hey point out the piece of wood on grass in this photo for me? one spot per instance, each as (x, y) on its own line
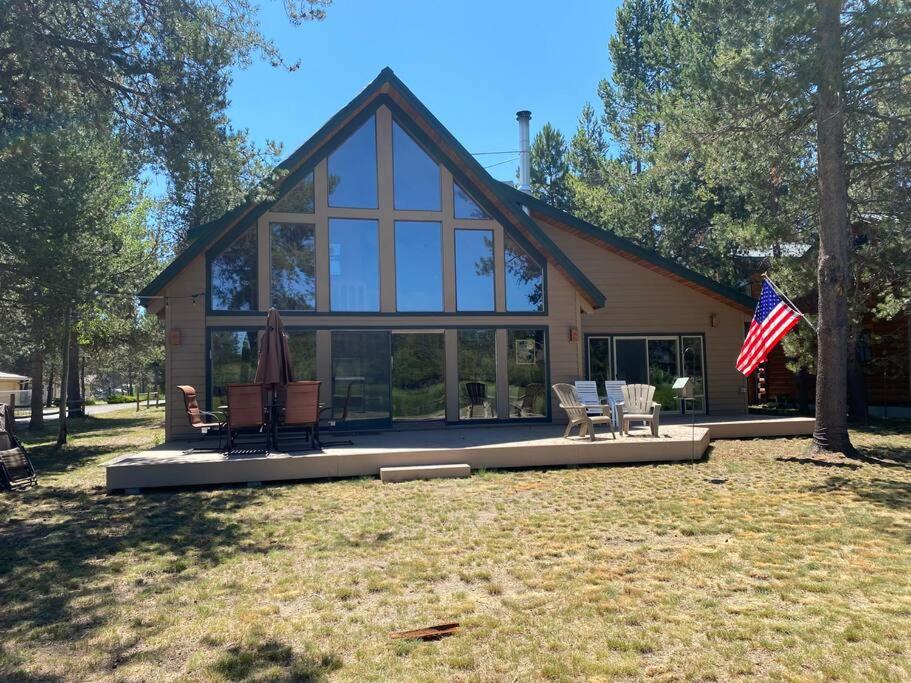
(429, 633)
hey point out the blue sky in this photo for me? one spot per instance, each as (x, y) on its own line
(474, 64)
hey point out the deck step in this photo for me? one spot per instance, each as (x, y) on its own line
(394, 474)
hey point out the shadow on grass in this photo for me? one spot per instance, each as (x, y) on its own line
(274, 661)
(820, 463)
(888, 492)
(884, 456)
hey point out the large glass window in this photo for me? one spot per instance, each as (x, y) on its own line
(649, 360)
(474, 270)
(354, 265)
(232, 275)
(418, 266)
(293, 266)
(477, 359)
(352, 170)
(524, 279)
(302, 345)
(464, 206)
(525, 369)
(418, 387)
(299, 199)
(233, 358)
(360, 376)
(599, 360)
(415, 175)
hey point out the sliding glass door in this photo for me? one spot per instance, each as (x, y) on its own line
(418, 386)
(360, 378)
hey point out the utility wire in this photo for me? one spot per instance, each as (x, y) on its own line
(500, 163)
(508, 151)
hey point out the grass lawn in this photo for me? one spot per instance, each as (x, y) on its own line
(759, 562)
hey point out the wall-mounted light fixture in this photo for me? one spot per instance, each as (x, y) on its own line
(713, 319)
(574, 334)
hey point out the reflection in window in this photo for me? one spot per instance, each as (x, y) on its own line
(415, 176)
(525, 369)
(599, 353)
(293, 266)
(299, 199)
(418, 376)
(233, 360)
(418, 266)
(464, 206)
(524, 279)
(232, 275)
(352, 170)
(302, 345)
(474, 270)
(354, 265)
(663, 369)
(360, 375)
(477, 359)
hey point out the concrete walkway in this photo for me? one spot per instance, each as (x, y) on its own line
(90, 410)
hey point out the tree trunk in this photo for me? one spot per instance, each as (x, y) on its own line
(50, 388)
(831, 433)
(36, 421)
(64, 379)
(73, 386)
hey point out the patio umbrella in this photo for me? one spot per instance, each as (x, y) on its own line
(273, 369)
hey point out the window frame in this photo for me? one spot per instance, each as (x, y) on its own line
(356, 126)
(395, 266)
(214, 252)
(455, 269)
(210, 329)
(379, 264)
(316, 286)
(407, 131)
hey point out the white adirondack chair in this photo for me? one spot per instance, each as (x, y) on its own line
(638, 406)
(587, 391)
(578, 413)
(614, 392)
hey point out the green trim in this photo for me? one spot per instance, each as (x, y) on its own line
(623, 244)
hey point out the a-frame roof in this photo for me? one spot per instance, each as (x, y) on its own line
(386, 89)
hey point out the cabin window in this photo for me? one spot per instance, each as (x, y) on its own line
(524, 279)
(302, 345)
(352, 170)
(526, 371)
(354, 265)
(418, 266)
(415, 175)
(293, 266)
(232, 275)
(464, 206)
(477, 360)
(474, 265)
(233, 356)
(299, 199)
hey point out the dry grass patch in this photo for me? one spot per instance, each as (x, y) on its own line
(759, 562)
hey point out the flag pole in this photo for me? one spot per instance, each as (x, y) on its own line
(790, 303)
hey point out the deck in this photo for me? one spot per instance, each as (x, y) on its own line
(534, 445)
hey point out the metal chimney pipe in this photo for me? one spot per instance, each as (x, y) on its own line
(524, 117)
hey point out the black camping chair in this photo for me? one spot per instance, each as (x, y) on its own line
(16, 469)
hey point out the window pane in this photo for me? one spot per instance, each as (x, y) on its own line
(418, 387)
(599, 360)
(477, 352)
(354, 265)
(464, 206)
(663, 370)
(694, 367)
(474, 270)
(360, 376)
(632, 364)
(418, 266)
(233, 275)
(293, 266)
(302, 345)
(352, 170)
(299, 199)
(526, 373)
(415, 176)
(233, 358)
(524, 279)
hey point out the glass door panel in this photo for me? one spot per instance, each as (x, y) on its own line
(694, 367)
(599, 360)
(663, 370)
(360, 377)
(632, 360)
(418, 387)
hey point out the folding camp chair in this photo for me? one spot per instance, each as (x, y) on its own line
(16, 469)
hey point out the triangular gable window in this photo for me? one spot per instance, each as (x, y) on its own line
(299, 199)
(466, 207)
(352, 170)
(416, 176)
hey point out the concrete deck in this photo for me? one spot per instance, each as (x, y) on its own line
(501, 446)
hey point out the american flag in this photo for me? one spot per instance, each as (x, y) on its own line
(771, 322)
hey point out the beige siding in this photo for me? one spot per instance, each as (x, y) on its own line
(641, 300)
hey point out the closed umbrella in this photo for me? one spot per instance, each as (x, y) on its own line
(273, 369)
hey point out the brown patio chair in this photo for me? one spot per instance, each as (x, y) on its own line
(578, 413)
(246, 411)
(201, 419)
(300, 409)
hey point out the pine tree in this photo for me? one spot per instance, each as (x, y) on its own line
(550, 167)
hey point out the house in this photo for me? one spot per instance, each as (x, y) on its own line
(416, 287)
(14, 389)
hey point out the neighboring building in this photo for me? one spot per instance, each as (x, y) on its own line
(14, 389)
(417, 287)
